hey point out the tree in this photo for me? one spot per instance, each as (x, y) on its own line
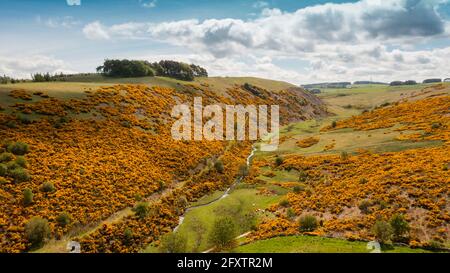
(223, 232)
(3, 170)
(302, 176)
(297, 189)
(64, 219)
(27, 196)
(290, 213)
(307, 223)
(125, 68)
(37, 230)
(410, 82)
(21, 161)
(18, 148)
(400, 226)
(48, 187)
(138, 68)
(432, 80)
(38, 77)
(218, 165)
(141, 209)
(284, 203)
(128, 235)
(382, 231)
(364, 206)
(19, 174)
(173, 242)
(243, 170)
(279, 160)
(199, 71)
(6, 157)
(177, 70)
(396, 83)
(199, 230)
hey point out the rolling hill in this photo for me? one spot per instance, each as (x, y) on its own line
(89, 151)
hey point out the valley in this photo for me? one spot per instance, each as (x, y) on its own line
(347, 159)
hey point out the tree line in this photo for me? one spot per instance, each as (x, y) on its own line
(411, 82)
(138, 68)
(6, 79)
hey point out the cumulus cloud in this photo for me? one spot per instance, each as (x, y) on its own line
(24, 66)
(73, 2)
(148, 4)
(361, 22)
(96, 31)
(335, 39)
(57, 22)
(260, 4)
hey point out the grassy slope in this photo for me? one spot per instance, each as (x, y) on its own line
(310, 244)
(345, 140)
(381, 140)
(360, 98)
(368, 96)
(76, 87)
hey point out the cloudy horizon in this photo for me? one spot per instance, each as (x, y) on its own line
(301, 43)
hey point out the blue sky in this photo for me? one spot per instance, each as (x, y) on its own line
(296, 41)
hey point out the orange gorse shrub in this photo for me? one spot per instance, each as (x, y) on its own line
(413, 182)
(103, 150)
(307, 142)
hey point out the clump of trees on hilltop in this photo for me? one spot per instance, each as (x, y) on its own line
(398, 83)
(432, 81)
(137, 68)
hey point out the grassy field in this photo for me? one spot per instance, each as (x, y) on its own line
(219, 84)
(240, 202)
(311, 244)
(344, 103)
(77, 85)
(348, 140)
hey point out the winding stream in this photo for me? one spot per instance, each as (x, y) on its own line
(224, 195)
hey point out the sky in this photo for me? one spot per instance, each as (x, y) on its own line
(296, 41)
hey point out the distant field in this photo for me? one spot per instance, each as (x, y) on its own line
(222, 83)
(348, 140)
(362, 97)
(344, 103)
(310, 244)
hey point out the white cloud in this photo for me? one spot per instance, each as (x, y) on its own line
(362, 22)
(337, 40)
(96, 31)
(148, 4)
(260, 4)
(24, 66)
(73, 2)
(57, 22)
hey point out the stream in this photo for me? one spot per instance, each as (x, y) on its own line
(224, 195)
